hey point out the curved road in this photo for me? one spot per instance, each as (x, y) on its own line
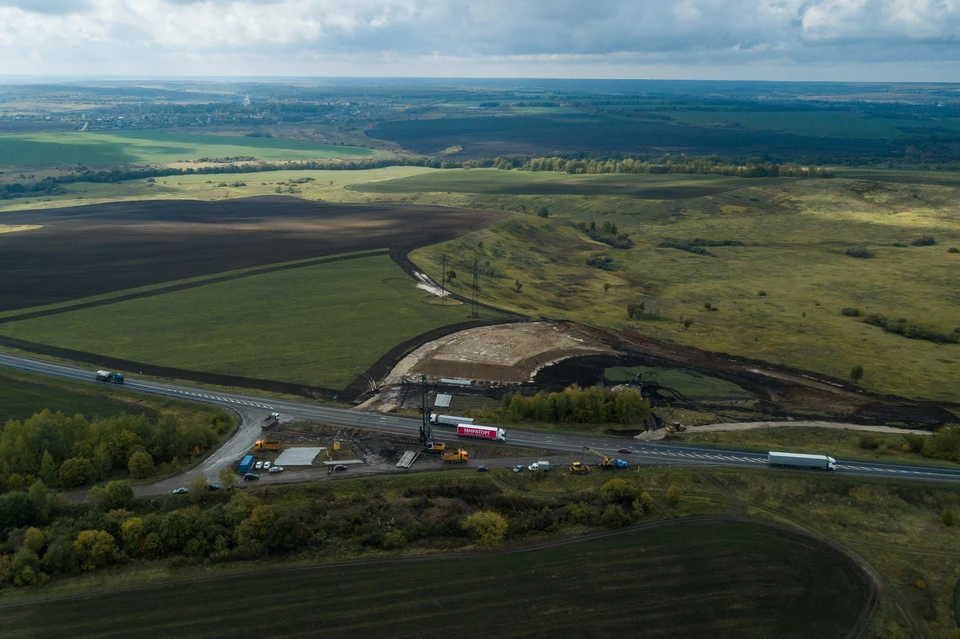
(252, 409)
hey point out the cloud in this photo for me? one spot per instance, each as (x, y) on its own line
(307, 36)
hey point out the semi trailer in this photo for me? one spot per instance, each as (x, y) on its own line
(107, 376)
(449, 420)
(801, 460)
(481, 432)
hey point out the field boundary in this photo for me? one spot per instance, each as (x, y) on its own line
(868, 607)
(173, 288)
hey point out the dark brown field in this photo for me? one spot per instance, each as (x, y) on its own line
(91, 250)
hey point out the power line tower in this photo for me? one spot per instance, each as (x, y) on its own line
(426, 433)
(475, 301)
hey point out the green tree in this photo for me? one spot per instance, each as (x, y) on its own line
(76, 471)
(95, 548)
(198, 487)
(131, 532)
(253, 530)
(619, 491)
(60, 558)
(856, 373)
(16, 509)
(674, 494)
(140, 464)
(41, 499)
(116, 494)
(488, 527)
(34, 539)
(543, 212)
(606, 286)
(48, 469)
(228, 478)
(614, 517)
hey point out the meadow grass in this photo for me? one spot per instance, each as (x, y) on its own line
(97, 149)
(318, 325)
(20, 398)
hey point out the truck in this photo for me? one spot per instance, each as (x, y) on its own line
(459, 457)
(107, 376)
(801, 460)
(481, 432)
(246, 464)
(449, 420)
(270, 421)
(539, 465)
(266, 444)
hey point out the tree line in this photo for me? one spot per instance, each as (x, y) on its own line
(711, 165)
(578, 405)
(68, 451)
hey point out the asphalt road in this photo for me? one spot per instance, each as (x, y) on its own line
(253, 409)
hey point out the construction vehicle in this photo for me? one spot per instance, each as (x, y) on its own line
(607, 463)
(107, 376)
(270, 421)
(676, 428)
(579, 468)
(459, 457)
(435, 447)
(266, 444)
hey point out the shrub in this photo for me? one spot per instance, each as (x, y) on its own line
(914, 443)
(602, 262)
(861, 252)
(140, 464)
(543, 212)
(614, 517)
(488, 527)
(868, 441)
(856, 373)
(850, 312)
(76, 472)
(953, 249)
(924, 240)
(762, 293)
(619, 491)
(674, 494)
(947, 518)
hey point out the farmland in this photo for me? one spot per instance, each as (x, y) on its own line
(735, 579)
(98, 149)
(539, 135)
(320, 325)
(88, 251)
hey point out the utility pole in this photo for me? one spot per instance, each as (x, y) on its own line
(426, 434)
(443, 276)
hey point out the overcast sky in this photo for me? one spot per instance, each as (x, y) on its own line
(699, 39)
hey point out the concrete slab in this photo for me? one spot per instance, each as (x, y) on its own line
(299, 456)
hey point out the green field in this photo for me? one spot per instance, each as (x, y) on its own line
(722, 579)
(779, 295)
(19, 399)
(319, 325)
(97, 149)
(493, 181)
(689, 384)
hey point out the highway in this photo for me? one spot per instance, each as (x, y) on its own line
(252, 409)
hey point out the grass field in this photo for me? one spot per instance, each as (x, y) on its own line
(687, 579)
(19, 399)
(493, 181)
(689, 384)
(779, 295)
(319, 325)
(97, 149)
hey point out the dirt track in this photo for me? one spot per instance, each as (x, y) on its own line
(91, 250)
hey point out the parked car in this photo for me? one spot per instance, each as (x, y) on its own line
(624, 450)
(518, 468)
(259, 465)
(340, 467)
(180, 491)
(482, 469)
(213, 486)
(266, 465)
(276, 469)
(251, 477)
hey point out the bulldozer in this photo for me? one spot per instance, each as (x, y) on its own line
(676, 428)
(579, 468)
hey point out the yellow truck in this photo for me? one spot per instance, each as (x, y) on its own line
(266, 444)
(459, 457)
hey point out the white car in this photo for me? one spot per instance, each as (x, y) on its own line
(266, 465)
(259, 465)
(276, 469)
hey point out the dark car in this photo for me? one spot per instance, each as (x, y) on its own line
(624, 450)
(213, 486)
(340, 467)
(482, 469)
(251, 476)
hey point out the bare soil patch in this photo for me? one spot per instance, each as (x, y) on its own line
(97, 249)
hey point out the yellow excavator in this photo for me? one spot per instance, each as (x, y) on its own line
(676, 428)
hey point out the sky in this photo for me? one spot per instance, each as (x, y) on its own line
(833, 40)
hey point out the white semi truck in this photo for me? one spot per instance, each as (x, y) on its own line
(449, 420)
(801, 460)
(481, 432)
